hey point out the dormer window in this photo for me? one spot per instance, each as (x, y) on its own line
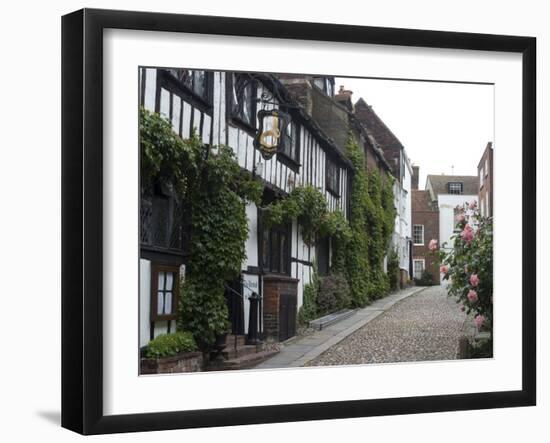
(455, 188)
(325, 85)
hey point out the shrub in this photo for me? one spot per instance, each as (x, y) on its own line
(308, 310)
(427, 279)
(393, 270)
(168, 345)
(468, 266)
(334, 294)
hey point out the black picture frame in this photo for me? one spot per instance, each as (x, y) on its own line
(82, 155)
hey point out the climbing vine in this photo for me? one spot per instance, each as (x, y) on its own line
(215, 191)
(356, 256)
(380, 221)
(308, 206)
(372, 222)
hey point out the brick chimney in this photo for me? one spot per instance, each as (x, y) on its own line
(344, 97)
(415, 176)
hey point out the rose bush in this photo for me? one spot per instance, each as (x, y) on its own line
(468, 266)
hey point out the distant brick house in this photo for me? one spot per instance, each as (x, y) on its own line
(425, 227)
(485, 174)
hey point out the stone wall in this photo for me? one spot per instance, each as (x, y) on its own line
(188, 362)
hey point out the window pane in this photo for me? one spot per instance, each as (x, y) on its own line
(247, 104)
(160, 302)
(319, 82)
(161, 277)
(168, 303)
(199, 83)
(169, 280)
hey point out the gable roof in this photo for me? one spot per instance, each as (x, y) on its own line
(385, 138)
(439, 183)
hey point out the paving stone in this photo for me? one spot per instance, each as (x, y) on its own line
(426, 326)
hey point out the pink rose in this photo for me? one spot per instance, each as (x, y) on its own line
(472, 296)
(479, 320)
(467, 234)
(473, 204)
(474, 280)
(460, 218)
(432, 246)
(443, 269)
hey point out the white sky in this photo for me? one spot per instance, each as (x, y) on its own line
(441, 125)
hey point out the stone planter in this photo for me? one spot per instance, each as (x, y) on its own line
(185, 362)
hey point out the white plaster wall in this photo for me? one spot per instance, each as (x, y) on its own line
(144, 300)
(252, 240)
(446, 204)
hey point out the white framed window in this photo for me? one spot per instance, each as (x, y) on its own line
(418, 235)
(418, 268)
(455, 188)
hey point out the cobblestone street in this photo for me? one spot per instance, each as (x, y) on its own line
(425, 326)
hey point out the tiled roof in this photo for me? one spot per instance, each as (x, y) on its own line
(440, 183)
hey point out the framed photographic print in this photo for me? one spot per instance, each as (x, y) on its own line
(270, 221)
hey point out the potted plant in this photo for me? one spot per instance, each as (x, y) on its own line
(222, 330)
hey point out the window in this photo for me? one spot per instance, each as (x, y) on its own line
(196, 81)
(324, 84)
(162, 220)
(291, 142)
(164, 292)
(243, 100)
(332, 172)
(276, 249)
(486, 167)
(481, 177)
(455, 188)
(418, 235)
(418, 268)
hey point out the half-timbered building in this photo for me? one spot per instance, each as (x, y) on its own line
(221, 108)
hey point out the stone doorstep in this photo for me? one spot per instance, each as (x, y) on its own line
(231, 352)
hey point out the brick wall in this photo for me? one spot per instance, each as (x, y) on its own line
(273, 287)
(425, 212)
(485, 167)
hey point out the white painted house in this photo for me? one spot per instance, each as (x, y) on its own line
(403, 224)
(451, 191)
(221, 107)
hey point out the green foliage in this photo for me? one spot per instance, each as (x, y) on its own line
(165, 157)
(168, 345)
(393, 269)
(214, 191)
(372, 223)
(333, 294)
(357, 263)
(305, 204)
(426, 279)
(308, 310)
